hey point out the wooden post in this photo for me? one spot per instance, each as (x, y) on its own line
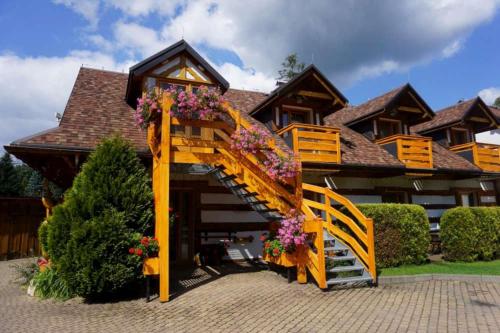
(162, 207)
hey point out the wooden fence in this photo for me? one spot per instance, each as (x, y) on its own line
(19, 221)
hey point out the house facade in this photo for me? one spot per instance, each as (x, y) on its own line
(393, 148)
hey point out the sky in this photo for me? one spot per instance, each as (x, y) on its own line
(447, 49)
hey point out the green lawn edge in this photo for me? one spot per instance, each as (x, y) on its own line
(466, 268)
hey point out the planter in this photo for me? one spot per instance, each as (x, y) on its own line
(285, 259)
(151, 266)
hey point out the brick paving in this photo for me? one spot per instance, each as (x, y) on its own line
(262, 301)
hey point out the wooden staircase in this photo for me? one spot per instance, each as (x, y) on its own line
(337, 239)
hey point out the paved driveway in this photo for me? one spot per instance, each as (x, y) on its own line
(262, 301)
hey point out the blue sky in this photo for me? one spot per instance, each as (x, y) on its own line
(448, 50)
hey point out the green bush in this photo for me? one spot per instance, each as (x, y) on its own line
(401, 233)
(43, 233)
(90, 233)
(469, 234)
(49, 284)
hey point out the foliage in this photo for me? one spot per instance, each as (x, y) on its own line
(469, 234)
(49, 284)
(290, 232)
(9, 181)
(401, 233)
(446, 267)
(25, 272)
(89, 234)
(497, 102)
(291, 67)
(144, 247)
(251, 140)
(43, 233)
(280, 166)
(273, 247)
(148, 109)
(204, 104)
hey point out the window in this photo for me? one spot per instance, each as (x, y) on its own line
(467, 199)
(459, 136)
(394, 197)
(292, 115)
(167, 86)
(388, 127)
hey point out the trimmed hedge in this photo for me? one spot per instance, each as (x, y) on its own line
(471, 233)
(401, 233)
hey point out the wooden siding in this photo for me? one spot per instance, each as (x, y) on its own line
(414, 151)
(485, 156)
(317, 144)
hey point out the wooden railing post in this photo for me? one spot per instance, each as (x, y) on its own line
(162, 204)
(370, 231)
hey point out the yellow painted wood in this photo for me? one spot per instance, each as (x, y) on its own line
(162, 212)
(151, 266)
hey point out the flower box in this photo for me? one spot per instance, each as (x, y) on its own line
(151, 266)
(285, 259)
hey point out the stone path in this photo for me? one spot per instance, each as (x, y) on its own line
(262, 301)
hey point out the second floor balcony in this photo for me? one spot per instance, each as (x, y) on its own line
(313, 143)
(412, 150)
(485, 156)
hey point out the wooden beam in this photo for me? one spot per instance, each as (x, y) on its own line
(479, 120)
(410, 109)
(328, 89)
(162, 207)
(314, 94)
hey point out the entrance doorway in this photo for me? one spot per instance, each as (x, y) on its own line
(185, 205)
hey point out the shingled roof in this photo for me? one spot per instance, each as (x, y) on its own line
(352, 114)
(96, 109)
(451, 115)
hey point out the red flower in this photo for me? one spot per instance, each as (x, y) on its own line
(276, 251)
(42, 262)
(155, 239)
(267, 245)
(138, 252)
(263, 237)
(170, 209)
(145, 241)
(131, 250)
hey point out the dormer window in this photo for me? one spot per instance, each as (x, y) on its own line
(388, 127)
(459, 136)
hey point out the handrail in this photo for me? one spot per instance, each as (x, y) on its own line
(402, 136)
(484, 155)
(362, 243)
(328, 129)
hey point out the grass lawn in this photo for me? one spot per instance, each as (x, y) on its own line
(443, 267)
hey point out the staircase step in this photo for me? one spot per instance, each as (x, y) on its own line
(227, 178)
(258, 202)
(342, 258)
(238, 187)
(249, 194)
(352, 268)
(327, 236)
(337, 247)
(352, 279)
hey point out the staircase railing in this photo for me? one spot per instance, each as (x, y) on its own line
(356, 232)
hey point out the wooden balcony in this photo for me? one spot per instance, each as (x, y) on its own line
(414, 151)
(486, 156)
(312, 143)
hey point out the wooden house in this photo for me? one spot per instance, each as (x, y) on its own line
(393, 148)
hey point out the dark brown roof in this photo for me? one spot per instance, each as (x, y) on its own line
(352, 114)
(96, 109)
(448, 160)
(496, 112)
(450, 115)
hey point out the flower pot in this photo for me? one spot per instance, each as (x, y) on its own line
(151, 266)
(284, 259)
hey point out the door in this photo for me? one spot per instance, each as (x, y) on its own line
(184, 205)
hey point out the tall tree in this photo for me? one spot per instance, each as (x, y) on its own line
(290, 68)
(9, 181)
(497, 102)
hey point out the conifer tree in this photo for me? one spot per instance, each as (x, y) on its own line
(90, 233)
(9, 182)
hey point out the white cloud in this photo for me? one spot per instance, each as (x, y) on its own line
(89, 9)
(33, 89)
(146, 7)
(248, 79)
(490, 94)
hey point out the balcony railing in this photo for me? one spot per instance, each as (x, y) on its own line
(414, 151)
(485, 156)
(316, 144)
